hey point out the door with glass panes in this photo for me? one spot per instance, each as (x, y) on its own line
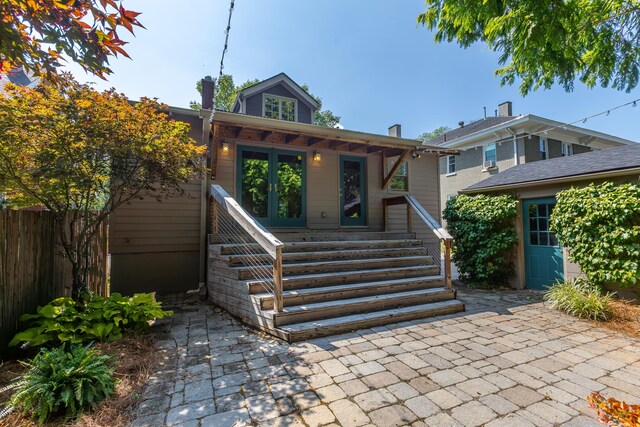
(543, 254)
(271, 186)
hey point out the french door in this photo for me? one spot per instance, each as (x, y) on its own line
(272, 185)
(543, 254)
(353, 192)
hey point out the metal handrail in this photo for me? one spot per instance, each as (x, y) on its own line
(440, 232)
(267, 241)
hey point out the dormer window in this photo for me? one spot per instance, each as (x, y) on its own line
(277, 107)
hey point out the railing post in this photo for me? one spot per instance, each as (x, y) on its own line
(447, 263)
(277, 281)
(214, 221)
(409, 219)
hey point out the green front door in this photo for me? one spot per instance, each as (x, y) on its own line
(353, 191)
(543, 255)
(272, 186)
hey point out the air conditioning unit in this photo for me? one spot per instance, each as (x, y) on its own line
(489, 164)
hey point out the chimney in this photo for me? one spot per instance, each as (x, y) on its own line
(505, 109)
(207, 93)
(395, 131)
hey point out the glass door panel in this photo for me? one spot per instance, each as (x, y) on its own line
(254, 183)
(289, 187)
(352, 191)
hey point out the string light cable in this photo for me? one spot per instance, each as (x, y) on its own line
(224, 52)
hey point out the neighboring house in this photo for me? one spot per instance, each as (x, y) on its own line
(299, 230)
(492, 145)
(18, 76)
(540, 261)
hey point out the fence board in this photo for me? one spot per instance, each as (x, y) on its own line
(33, 269)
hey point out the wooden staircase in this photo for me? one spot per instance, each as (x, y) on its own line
(331, 283)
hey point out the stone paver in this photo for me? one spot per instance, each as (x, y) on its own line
(506, 361)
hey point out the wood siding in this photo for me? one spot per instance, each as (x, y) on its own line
(254, 103)
(156, 245)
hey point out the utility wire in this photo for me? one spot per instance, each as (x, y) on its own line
(224, 52)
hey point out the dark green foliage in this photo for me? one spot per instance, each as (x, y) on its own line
(64, 383)
(579, 298)
(600, 224)
(484, 237)
(102, 319)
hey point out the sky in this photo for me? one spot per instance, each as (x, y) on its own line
(368, 60)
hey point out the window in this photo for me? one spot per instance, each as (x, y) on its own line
(400, 180)
(275, 107)
(490, 153)
(567, 149)
(451, 164)
(543, 149)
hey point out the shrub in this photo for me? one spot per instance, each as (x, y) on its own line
(612, 411)
(601, 226)
(484, 237)
(64, 383)
(102, 319)
(579, 298)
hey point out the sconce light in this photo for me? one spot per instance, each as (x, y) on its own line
(316, 156)
(225, 147)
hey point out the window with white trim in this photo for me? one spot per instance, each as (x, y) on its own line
(567, 149)
(490, 153)
(451, 164)
(277, 107)
(543, 149)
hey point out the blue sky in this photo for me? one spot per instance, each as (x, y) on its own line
(367, 60)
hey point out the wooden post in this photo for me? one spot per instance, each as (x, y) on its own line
(214, 222)
(447, 263)
(409, 219)
(384, 214)
(278, 303)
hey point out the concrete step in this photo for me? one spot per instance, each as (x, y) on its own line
(353, 290)
(343, 307)
(305, 281)
(316, 328)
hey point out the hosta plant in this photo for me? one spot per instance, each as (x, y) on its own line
(100, 319)
(580, 298)
(61, 383)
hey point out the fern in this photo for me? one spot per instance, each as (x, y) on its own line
(64, 383)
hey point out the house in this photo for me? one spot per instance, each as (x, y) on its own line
(18, 76)
(540, 261)
(496, 143)
(317, 230)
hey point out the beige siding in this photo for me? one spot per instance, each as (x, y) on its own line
(156, 245)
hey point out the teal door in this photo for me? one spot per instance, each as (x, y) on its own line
(353, 192)
(543, 255)
(272, 186)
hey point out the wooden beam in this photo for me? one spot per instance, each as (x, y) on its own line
(374, 149)
(236, 132)
(290, 138)
(395, 168)
(335, 144)
(313, 141)
(215, 143)
(265, 135)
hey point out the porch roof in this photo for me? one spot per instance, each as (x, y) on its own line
(233, 125)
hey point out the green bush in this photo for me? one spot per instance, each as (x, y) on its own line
(102, 319)
(484, 237)
(64, 383)
(580, 298)
(600, 224)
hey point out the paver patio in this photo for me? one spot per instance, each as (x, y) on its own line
(506, 361)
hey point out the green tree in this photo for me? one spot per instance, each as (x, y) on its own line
(428, 136)
(543, 42)
(227, 91)
(82, 153)
(38, 34)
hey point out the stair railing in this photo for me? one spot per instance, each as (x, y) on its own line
(435, 238)
(232, 224)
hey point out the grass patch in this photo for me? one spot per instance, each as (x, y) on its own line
(580, 298)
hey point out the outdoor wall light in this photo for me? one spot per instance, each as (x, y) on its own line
(225, 147)
(316, 156)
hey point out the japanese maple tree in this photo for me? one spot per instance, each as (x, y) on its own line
(82, 153)
(39, 34)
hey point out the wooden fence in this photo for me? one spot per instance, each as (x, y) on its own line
(33, 269)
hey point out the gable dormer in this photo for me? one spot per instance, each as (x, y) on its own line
(279, 98)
